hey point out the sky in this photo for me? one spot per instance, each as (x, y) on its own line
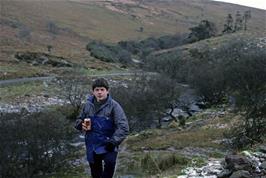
(261, 4)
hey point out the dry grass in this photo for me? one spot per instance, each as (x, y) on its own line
(79, 22)
(177, 139)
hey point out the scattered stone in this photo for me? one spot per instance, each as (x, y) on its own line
(263, 166)
(33, 104)
(246, 165)
(211, 170)
(224, 174)
(262, 149)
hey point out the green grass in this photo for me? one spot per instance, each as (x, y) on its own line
(10, 71)
(216, 154)
(11, 93)
(178, 139)
(145, 164)
(148, 151)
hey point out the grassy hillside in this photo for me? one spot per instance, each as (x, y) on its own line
(68, 25)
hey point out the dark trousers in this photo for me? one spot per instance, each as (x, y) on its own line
(98, 170)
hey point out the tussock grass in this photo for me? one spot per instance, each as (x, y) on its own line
(157, 163)
(145, 164)
(202, 137)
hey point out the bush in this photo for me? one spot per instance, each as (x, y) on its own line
(209, 82)
(246, 82)
(109, 53)
(32, 143)
(236, 69)
(171, 64)
(145, 98)
(124, 50)
(204, 30)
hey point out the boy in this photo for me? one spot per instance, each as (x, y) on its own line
(105, 128)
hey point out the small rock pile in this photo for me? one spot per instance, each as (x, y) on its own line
(211, 170)
(244, 165)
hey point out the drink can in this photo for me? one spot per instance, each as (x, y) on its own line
(87, 122)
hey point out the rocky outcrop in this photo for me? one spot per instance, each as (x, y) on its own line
(211, 170)
(244, 165)
(237, 162)
(34, 58)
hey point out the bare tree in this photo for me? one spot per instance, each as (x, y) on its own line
(246, 17)
(228, 26)
(74, 89)
(238, 21)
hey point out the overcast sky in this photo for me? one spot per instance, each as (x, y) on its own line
(261, 4)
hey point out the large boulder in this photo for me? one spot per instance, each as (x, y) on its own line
(262, 148)
(224, 174)
(237, 162)
(263, 167)
(241, 174)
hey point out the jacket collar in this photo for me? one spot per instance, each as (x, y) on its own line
(92, 98)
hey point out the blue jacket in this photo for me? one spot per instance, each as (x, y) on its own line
(109, 124)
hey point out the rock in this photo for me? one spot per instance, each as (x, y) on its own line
(43, 60)
(212, 168)
(260, 155)
(237, 162)
(262, 148)
(224, 174)
(194, 108)
(173, 124)
(246, 153)
(263, 165)
(46, 96)
(253, 159)
(183, 176)
(241, 174)
(190, 171)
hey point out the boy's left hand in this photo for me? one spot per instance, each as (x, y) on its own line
(110, 146)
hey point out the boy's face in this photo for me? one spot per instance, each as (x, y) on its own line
(100, 93)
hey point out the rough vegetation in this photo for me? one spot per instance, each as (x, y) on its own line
(171, 46)
(33, 143)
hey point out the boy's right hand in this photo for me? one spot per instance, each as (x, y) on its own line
(84, 127)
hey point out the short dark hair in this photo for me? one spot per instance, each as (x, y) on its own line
(100, 82)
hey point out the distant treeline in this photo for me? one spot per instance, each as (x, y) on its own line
(125, 51)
